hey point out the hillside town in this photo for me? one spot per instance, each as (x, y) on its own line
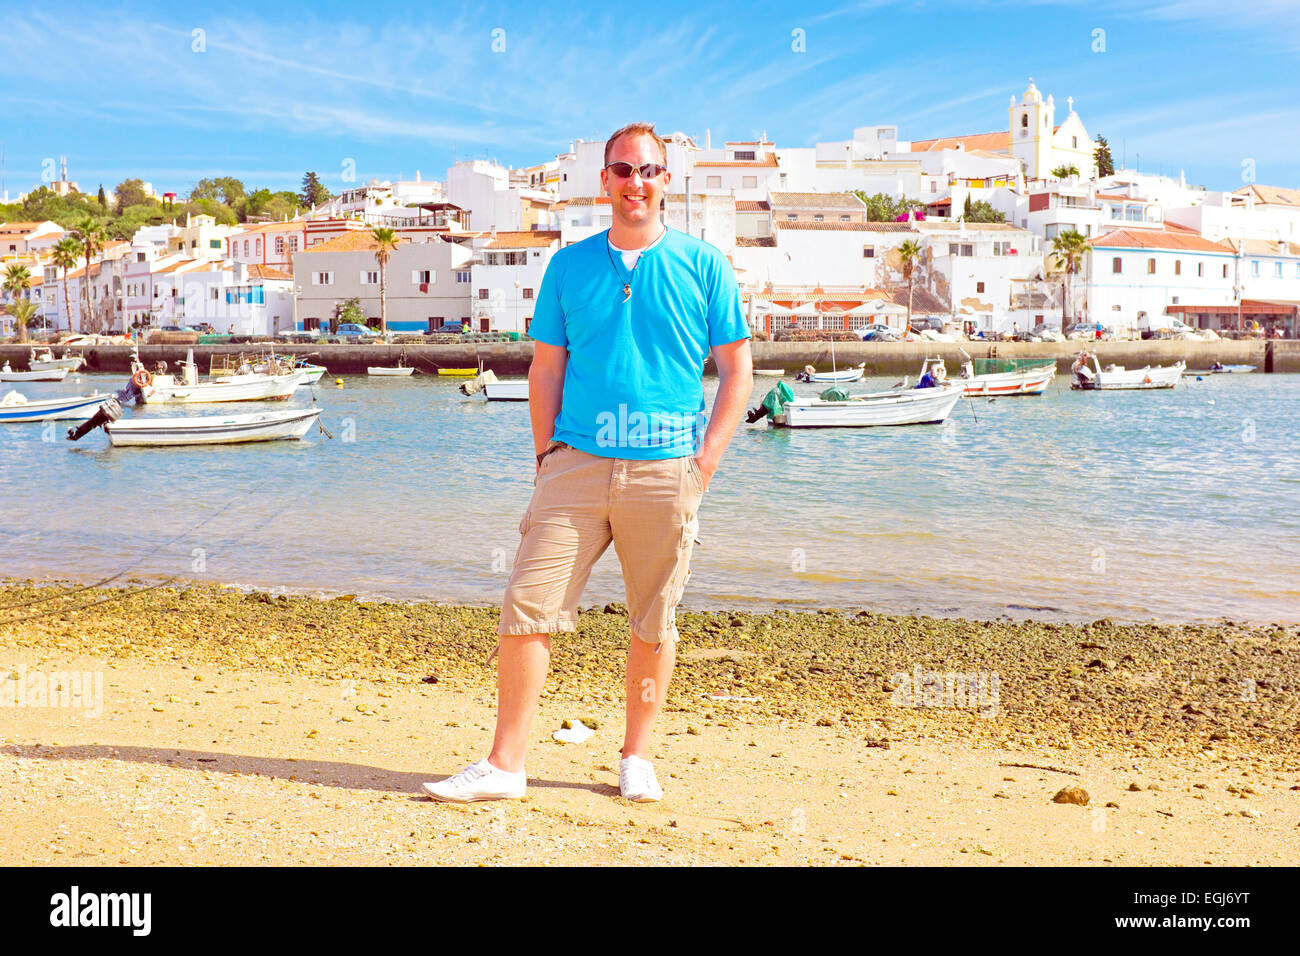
(990, 234)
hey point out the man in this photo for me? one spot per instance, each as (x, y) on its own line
(623, 324)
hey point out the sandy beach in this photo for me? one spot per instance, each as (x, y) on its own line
(224, 727)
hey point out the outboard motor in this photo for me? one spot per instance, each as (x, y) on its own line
(108, 412)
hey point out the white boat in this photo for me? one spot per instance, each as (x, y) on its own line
(15, 407)
(381, 370)
(843, 377)
(40, 375)
(898, 406)
(778, 372)
(164, 388)
(265, 364)
(1031, 380)
(213, 429)
(42, 360)
(1119, 377)
(495, 389)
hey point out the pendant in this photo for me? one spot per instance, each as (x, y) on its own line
(627, 291)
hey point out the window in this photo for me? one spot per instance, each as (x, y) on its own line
(1178, 267)
(954, 249)
(293, 243)
(369, 277)
(1116, 266)
(528, 293)
(844, 218)
(516, 258)
(743, 154)
(1074, 142)
(868, 252)
(713, 182)
(279, 245)
(1200, 270)
(1277, 270)
(421, 276)
(1151, 267)
(483, 294)
(462, 275)
(979, 286)
(749, 182)
(212, 244)
(1116, 212)
(967, 249)
(1024, 121)
(1254, 268)
(1225, 270)
(215, 293)
(819, 218)
(934, 185)
(245, 247)
(791, 217)
(1133, 213)
(322, 278)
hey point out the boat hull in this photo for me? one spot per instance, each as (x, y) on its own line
(40, 375)
(83, 406)
(240, 388)
(1029, 382)
(917, 406)
(212, 429)
(511, 390)
(377, 370)
(1159, 376)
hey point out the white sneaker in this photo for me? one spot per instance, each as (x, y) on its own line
(636, 781)
(478, 781)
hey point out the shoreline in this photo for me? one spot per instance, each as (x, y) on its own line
(250, 728)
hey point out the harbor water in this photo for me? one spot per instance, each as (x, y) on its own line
(1175, 505)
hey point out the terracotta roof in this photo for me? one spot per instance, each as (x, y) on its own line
(20, 228)
(1274, 195)
(847, 226)
(819, 200)
(184, 265)
(534, 239)
(752, 205)
(993, 142)
(588, 201)
(940, 202)
(259, 271)
(755, 242)
(769, 159)
(360, 240)
(1159, 239)
(1263, 247)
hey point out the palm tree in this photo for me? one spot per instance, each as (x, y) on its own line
(90, 232)
(17, 280)
(909, 252)
(23, 310)
(64, 256)
(1069, 247)
(385, 242)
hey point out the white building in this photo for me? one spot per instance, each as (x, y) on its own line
(983, 270)
(506, 274)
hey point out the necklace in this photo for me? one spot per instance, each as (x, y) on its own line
(627, 284)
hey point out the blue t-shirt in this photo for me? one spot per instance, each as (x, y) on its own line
(633, 384)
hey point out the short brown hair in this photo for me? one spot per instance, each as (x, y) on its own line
(637, 129)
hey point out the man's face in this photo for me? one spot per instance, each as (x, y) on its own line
(635, 200)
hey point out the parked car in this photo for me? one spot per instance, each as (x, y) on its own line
(355, 330)
(447, 328)
(879, 332)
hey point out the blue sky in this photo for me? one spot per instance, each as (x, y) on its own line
(1196, 85)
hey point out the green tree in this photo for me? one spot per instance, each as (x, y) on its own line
(1065, 171)
(314, 192)
(129, 192)
(348, 310)
(883, 208)
(1068, 247)
(22, 311)
(17, 280)
(981, 211)
(909, 251)
(1105, 165)
(100, 198)
(385, 242)
(64, 256)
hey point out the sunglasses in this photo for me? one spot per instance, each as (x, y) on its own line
(647, 171)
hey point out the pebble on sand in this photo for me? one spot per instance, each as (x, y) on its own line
(1075, 795)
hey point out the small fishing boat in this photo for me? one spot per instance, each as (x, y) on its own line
(223, 367)
(778, 372)
(1090, 376)
(42, 360)
(1006, 376)
(382, 370)
(462, 372)
(15, 407)
(1218, 368)
(213, 429)
(164, 388)
(40, 375)
(836, 408)
(495, 389)
(845, 376)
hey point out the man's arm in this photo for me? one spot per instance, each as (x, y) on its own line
(735, 385)
(545, 389)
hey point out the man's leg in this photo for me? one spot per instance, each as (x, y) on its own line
(648, 674)
(522, 663)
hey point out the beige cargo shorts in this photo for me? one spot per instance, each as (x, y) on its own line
(581, 503)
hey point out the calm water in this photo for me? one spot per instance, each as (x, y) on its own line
(1176, 505)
